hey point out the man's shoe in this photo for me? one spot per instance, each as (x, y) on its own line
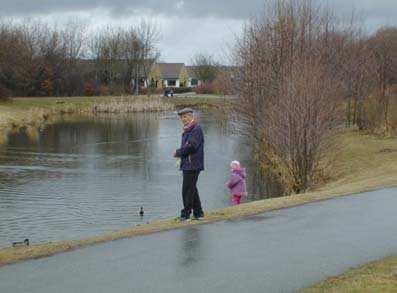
(198, 216)
(183, 218)
(185, 215)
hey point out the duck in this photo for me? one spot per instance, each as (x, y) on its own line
(20, 243)
(141, 212)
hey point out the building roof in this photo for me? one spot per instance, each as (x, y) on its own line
(170, 70)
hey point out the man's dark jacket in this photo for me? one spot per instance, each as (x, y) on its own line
(192, 149)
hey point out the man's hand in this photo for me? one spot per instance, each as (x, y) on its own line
(174, 154)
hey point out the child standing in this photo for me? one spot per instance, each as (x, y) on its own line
(236, 183)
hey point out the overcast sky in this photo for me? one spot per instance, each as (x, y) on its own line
(187, 26)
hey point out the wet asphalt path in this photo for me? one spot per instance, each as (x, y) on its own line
(279, 251)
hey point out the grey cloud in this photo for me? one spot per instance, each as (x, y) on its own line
(191, 8)
(369, 8)
(28, 7)
(233, 9)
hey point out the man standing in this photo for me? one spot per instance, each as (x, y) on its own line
(191, 154)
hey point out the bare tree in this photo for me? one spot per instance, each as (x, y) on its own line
(149, 34)
(19, 56)
(73, 39)
(205, 68)
(110, 56)
(355, 73)
(384, 48)
(287, 106)
(300, 121)
(139, 52)
(125, 56)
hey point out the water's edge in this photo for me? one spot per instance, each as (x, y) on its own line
(13, 255)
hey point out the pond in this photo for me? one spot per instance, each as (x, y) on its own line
(84, 176)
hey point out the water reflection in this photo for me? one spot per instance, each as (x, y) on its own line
(191, 247)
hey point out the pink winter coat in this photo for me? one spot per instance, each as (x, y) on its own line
(236, 183)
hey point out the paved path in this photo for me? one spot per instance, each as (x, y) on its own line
(279, 251)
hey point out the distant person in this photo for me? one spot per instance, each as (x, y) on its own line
(191, 154)
(236, 183)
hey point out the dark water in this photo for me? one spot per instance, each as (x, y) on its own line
(85, 176)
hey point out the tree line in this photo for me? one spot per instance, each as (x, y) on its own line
(38, 59)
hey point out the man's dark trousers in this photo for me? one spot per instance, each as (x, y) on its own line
(190, 195)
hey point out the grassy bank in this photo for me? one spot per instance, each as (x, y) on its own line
(87, 103)
(30, 113)
(16, 108)
(361, 160)
(379, 276)
(202, 101)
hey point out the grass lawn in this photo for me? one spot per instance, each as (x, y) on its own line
(379, 276)
(361, 160)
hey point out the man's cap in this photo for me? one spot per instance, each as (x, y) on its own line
(185, 111)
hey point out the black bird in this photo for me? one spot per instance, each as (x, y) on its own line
(20, 243)
(141, 212)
